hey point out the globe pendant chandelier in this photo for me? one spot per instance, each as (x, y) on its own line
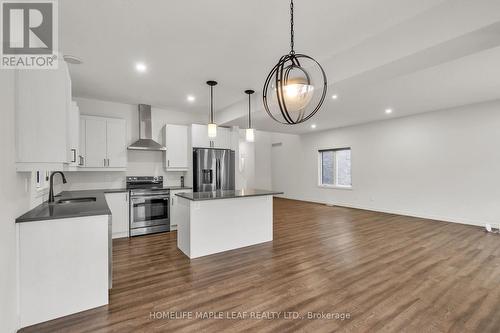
(296, 87)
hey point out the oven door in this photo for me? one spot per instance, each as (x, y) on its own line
(147, 211)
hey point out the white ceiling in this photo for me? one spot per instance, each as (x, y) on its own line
(412, 56)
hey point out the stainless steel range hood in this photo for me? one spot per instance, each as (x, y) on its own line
(145, 141)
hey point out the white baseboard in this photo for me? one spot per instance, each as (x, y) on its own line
(120, 235)
(439, 218)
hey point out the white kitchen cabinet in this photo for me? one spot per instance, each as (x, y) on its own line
(223, 139)
(74, 134)
(199, 136)
(175, 211)
(103, 144)
(95, 143)
(43, 100)
(200, 139)
(63, 267)
(177, 154)
(119, 206)
(116, 143)
(82, 144)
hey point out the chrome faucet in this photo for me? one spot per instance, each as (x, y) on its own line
(51, 191)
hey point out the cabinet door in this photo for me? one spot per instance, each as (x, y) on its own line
(176, 140)
(82, 144)
(199, 136)
(41, 115)
(116, 143)
(119, 206)
(95, 143)
(73, 133)
(223, 139)
(175, 213)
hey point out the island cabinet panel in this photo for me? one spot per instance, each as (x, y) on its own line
(63, 267)
(212, 226)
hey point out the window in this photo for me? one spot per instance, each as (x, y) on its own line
(335, 167)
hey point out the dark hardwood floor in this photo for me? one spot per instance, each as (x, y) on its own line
(390, 273)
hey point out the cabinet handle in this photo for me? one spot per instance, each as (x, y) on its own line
(81, 160)
(105, 162)
(168, 163)
(74, 155)
(108, 162)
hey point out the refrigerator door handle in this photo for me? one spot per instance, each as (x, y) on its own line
(217, 174)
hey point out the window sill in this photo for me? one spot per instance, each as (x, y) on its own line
(336, 187)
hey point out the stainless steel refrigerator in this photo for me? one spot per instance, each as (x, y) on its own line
(213, 169)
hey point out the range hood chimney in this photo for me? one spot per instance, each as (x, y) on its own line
(145, 141)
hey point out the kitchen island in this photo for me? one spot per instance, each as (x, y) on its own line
(213, 222)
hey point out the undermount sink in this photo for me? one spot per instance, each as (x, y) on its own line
(76, 200)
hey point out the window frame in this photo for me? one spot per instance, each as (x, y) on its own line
(335, 173)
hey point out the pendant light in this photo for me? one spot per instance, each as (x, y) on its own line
(212, 126)
(296, 87)
(250, 132)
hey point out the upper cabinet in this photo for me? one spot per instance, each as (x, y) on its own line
(177, 154)
(116, 143)
(199, 136)
(103, 143)
(74, 135)
(200, 139)
(223, 139)
(43, 104)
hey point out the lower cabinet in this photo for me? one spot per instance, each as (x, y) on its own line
(175, 213)
(63, 267)
(119, 206)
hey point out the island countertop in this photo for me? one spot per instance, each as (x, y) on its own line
(249, 192)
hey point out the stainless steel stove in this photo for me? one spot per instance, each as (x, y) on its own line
(149, 205)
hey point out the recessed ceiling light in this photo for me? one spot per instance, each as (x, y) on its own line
(313, 126)
(140, 67)
(335, 96)
(388, 111)
(191, 98)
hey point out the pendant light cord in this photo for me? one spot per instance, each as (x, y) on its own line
(292, 51)
(249, 111)
(211, 104)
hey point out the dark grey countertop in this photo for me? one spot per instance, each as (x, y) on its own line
(54, 211)
(249, 192)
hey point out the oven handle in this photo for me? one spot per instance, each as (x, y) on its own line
(144, 198)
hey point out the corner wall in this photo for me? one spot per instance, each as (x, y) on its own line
(441, 165)
(14, 200)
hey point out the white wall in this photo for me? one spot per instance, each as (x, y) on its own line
(14, 200)
(443, 165)
(140, 163)
(263, 171)
(255, 172)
